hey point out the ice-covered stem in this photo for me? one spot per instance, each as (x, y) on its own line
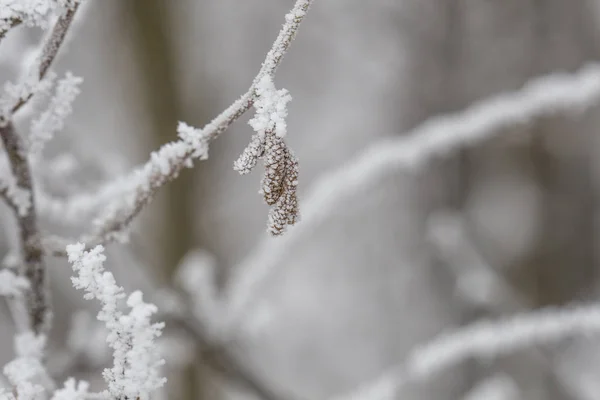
(135, 373)
(166, 163)
(560, 93)
(484, 339)
(32, 252)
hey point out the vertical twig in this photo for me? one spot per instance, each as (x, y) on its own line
(32, 252)
(38, 304)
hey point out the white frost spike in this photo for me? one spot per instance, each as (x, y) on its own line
(60, 107)
(136, 360)
(271, 108)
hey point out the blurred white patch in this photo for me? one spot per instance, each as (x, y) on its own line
(497, 387)
(505, 211)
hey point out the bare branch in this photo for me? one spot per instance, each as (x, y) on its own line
(38, 304)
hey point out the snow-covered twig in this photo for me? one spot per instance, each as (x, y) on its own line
(139, 188)
(136, 362)
(32, 12)
(32, 252)
(49, 50)
(554, 94)
(52, 119)
(484, 339)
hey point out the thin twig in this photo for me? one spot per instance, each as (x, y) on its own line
(50, 49)
(38, 304)
(154, 177)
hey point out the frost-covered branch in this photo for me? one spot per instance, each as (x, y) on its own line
(16, 185)
(561, 93)
(136, 363)
(52, 119)
(139, 187)
(38, 13)
(32, 253)
(484, 339)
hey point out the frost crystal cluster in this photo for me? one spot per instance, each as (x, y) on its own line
(136, 363)
(25, 373)
(279, 182)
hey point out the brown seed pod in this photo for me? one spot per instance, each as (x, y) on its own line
(285, 211)
(276, 154)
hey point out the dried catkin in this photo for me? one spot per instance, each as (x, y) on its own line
(276, 154)
(250, 156)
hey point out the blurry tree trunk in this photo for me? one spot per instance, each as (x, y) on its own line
(157, 61)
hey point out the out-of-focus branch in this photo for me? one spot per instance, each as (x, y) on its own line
(553, 94)
(32, 252)
(166, 164)
(220, 359)
(484, 339)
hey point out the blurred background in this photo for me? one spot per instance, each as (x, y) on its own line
(505, 226)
